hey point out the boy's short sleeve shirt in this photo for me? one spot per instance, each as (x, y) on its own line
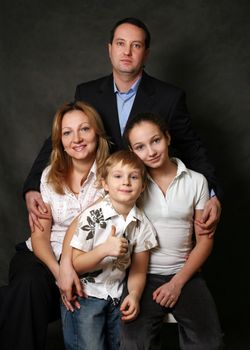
(94, 227)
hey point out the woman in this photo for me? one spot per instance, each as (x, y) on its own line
(31, 300)
(174, 202)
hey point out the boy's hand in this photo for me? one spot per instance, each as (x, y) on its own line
(130, 307)
(115, 246)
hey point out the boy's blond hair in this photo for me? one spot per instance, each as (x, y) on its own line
(126, 157)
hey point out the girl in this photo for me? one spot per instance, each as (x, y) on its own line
(173, 201)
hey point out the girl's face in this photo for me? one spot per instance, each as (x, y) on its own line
(150, 144)
(79, 138)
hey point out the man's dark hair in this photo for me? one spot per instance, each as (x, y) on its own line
(136, 22)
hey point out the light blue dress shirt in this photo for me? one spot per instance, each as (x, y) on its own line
(125, 102)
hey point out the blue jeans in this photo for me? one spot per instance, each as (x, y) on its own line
(95, 326)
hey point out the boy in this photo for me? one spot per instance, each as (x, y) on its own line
(109, 236)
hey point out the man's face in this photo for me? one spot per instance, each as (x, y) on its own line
(127, 51)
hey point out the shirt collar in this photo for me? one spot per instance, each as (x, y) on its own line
(181, 168)
(109, 211)
(92, 169)
(133, 88)
(91, 174)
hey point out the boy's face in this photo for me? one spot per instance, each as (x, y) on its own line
(124, 184)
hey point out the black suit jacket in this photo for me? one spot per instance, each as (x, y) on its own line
(153, 96)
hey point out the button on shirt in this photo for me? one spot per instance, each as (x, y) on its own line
(94, 227)
(67, 206)
(125, 102)
(172, 215)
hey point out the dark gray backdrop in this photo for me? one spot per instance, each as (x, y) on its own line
(47, 47)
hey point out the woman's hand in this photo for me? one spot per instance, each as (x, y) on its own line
(69, 285)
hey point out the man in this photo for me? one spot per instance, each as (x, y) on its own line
(120, 96)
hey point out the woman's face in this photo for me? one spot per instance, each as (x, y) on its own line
(150, 144)
(79, 138)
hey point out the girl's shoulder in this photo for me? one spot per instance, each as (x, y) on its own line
(194, 176)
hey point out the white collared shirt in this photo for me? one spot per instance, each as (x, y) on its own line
(172, 215)
(66, 207)
(94, 227)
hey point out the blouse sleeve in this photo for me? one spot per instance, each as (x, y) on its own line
(44, 186)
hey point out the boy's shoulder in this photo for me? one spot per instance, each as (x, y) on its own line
(100, 210)
(139, 213)
(98, 205)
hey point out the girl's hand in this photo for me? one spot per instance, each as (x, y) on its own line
(167, 294)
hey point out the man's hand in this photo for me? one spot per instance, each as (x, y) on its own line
(36, 208)
(210, 217)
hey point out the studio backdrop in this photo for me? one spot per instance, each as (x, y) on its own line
(48, 47)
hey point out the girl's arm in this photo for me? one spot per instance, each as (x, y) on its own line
(168, 293)
(198, 255)
(130, 306)
(41, 244)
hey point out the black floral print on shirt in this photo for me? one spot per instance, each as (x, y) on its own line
(90, 276)
(96, 217)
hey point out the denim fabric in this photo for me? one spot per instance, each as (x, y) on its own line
(94, 326)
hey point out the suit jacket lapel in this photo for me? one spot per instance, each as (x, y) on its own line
(143, 103)
(110, 112)
(144, 98)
